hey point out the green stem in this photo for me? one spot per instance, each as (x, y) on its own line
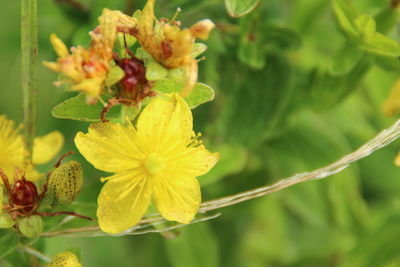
(29, 55)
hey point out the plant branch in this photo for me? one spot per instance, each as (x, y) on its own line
(29, 55)
(383, 139)
(34, 252)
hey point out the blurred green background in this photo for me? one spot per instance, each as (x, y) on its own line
(279, 110)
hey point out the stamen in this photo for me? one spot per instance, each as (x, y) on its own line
(195, 142)
(178, 10)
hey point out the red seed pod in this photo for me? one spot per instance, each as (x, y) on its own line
(135, 76)
(24, 193)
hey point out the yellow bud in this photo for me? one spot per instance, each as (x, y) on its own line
(65, 183)
(202, 28)
(60, 48)
(64, 259)
(31, 227)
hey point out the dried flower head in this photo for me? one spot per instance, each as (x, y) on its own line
(86, 69)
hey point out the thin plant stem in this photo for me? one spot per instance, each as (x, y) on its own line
(34, 252)
(29, 56)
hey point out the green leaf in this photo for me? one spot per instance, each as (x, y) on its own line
(382, 45)
(366, 25)
(155, 71)
(238, 8)
(387, 63)
(346, 59)
(168, 86)
(255, 101)
(198, 49)
(76, 108)
(346, 14)
(8, 242)
(379, 248)
(279, 38)
(124, 41)
(361, 29)
(129, 112)
(233, 160)
(197, 246)
(114, 75)
(251, 53)
(200, 94)
(177, 74)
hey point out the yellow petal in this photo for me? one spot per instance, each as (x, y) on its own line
(104, 41)
(47, 147)
(146, 20)
(192, 161)
(165, 119)
(91, 87)
(11, 147)
(52, 66)
(60, 48)
(110, 147)
(122, 202)
(177, 198)
(391, 106)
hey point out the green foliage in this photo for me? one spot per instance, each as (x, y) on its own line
(31, 227)
(8, 242)
(115, 75)
(76, 108)
(191, 246)
(361, 29)
(200, 94)
(296, 88)
(6, 221)
(238, 8)
(233, 160)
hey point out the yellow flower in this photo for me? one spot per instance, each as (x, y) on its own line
(64, 259)
(12, 149)
(166, 42)
(158, 159)
(86, 69)
(170, 45)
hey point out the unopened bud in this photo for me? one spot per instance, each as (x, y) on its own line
(65, 183)
(64, 259)
(6, 221)
(202, 28)
(31, 226)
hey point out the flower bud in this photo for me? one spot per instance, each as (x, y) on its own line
(6, 221)
(64, 259)
(65, 183)
(31, 226)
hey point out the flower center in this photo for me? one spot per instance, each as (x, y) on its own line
(154, 164)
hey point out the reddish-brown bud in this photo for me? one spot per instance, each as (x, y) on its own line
(24, 193)
(135, 76)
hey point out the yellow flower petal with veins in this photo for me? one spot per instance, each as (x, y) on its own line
(123, 201)
(46, 147)
(177, 198)
(159, 159)
(12, 149)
